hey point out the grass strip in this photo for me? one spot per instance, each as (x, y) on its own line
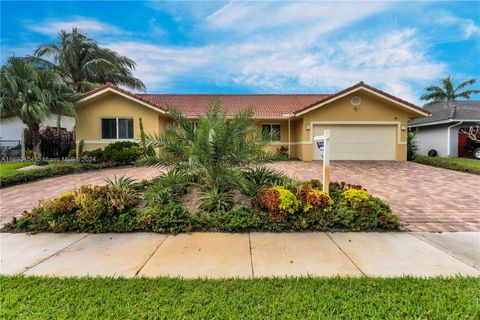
(277, 298)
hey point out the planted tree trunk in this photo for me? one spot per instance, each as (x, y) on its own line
(37, 151)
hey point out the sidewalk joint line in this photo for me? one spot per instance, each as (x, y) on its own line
(431, 245)
(346, 255)
(148, 259)
(53, 254)
(251, 256)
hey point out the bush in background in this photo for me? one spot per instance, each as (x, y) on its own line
(122, 152)
(412, 145)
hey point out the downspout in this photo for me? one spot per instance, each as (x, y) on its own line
(448, 137)
(289, 144)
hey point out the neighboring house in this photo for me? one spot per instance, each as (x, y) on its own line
(11, 130)
(365, 123)
(440, 131)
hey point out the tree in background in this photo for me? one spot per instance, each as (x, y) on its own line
(32, 94)
(83, 64)
(448, 92)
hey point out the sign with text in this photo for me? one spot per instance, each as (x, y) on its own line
(323, 145)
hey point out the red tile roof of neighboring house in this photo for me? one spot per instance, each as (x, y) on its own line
(263, 105)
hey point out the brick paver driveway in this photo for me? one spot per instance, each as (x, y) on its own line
(426, 198)
(15, 199)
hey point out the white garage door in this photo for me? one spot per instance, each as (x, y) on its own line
(358, 142)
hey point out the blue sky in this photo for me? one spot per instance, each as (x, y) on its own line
(266, 47)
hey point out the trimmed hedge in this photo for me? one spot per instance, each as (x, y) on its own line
(54, 169)
(456, 164)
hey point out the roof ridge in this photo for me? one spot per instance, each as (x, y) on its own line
(235, 94)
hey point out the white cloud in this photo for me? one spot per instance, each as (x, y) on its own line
(468, 27)
(280, 47)
(288, 18)
(392, 62)
(91, 26)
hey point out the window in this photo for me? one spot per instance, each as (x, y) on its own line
(271, 131)
(117, 128)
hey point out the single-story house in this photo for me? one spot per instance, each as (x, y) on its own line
(441, 130)
(365, 123)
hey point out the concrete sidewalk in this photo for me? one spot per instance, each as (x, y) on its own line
(245, 255)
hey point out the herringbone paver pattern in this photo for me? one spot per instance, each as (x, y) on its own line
(426, 198)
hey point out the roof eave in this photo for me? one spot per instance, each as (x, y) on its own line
(110, 88)
(363, 86)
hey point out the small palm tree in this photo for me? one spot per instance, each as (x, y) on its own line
(447, 92)
(33, 94)
(83, 64)
(215, 150)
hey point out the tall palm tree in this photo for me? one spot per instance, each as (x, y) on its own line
(33, 94)
(447, 92)
(83, 64)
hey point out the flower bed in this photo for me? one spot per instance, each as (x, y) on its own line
(275, 204)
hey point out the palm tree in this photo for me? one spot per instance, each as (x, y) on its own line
(215, 150)
(83, 64)
(447, 92)
(33, 94)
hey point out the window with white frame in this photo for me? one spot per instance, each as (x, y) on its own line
(271, 131)
(117, 128)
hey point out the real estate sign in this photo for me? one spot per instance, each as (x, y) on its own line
(323, 145)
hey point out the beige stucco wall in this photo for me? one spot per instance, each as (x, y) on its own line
(273, 147)
(372, 109)
(110, 106)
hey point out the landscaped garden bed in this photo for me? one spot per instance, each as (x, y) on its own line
(287, 298)
(215, 182)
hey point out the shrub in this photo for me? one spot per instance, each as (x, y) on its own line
(356, 198)
(215, 199)
(317, 200)
(269, 200)
(261, 177)
(81, 144)
(412, 145)
(89, 209)
(122, 193)
(288, 201)
(239, 218)
(278, 202)
(93, 156)
(167, 187)
(72, 153)
(122, 152)
(170, 218)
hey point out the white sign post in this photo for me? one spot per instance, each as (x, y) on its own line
(323, 145)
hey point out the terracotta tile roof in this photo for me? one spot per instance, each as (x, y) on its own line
(263, 105)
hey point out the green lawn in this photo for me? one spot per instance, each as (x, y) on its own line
(293, 298)
(10, 168)
(457, 164)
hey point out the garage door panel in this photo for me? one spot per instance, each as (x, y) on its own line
(358, 142)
